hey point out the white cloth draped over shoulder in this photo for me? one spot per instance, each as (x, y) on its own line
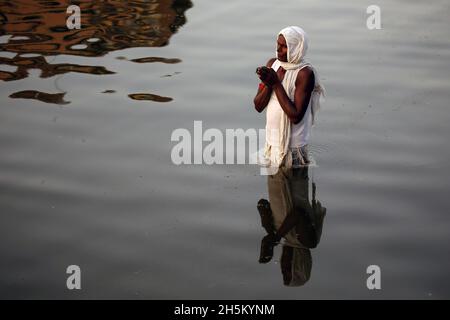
(277, 153)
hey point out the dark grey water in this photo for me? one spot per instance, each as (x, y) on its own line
(86, 177)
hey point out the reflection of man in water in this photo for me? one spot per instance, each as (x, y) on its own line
(290, 215)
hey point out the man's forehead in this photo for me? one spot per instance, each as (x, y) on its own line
(281, 38)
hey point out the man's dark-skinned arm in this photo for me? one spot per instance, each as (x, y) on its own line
(263, 95)
(304, 85)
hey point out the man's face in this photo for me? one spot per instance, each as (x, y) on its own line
(282, 48)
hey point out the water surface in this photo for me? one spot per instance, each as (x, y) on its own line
(86, 176)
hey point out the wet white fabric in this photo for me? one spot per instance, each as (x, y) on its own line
(297, 43)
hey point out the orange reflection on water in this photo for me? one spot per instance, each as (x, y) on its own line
(39, 27)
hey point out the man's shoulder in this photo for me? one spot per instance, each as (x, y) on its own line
(306, 74)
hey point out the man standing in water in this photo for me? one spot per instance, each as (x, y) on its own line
(290, 89)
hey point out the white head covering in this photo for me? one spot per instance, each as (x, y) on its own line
(297, 44)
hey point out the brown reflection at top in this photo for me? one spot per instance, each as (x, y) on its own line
(39, 27)
(116, 24)
(156, 59)
(47, 69)
(55, 98)
(149, 97)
